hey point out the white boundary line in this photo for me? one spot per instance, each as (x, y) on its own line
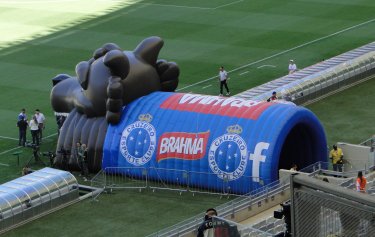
(115, 16)
(4, 164)
(266, 65)
(243, 73)
(206, 86)
(224, 5)
(11, 51)
(179, 6)
(4, 152)
(282, 52)
(10, 138)
(56, 37)
(15, 148)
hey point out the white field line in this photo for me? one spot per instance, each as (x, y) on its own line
(4, 152)
(4, 164)
(266, 65)
(12, 51)
(10, 138)
(179, 6)
(116, 15)
(15, 148)
(243, 73)
(206, 86)
(224, 5)
(282, 52)
(56, 37)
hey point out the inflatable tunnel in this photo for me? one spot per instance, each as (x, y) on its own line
(216, 141)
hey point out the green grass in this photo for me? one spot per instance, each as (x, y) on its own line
(120, 214)
(43, 39)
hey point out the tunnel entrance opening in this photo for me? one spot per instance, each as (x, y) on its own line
(299, 147)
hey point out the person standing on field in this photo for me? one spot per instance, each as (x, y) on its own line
(223, 76)
(40, 118)
(292, 67)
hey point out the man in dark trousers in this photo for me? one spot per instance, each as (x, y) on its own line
(22, 127)
(223, 76)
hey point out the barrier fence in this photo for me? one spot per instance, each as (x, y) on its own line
(112, 178)
(244, 202)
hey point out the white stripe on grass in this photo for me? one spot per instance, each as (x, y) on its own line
(10, 138)
(177, 6)
(266, 65)
(206, 86)
(18, 147)
(224, 5)
(282, 52)
(243, 73)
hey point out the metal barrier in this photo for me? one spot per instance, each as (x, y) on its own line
(230, 208)
(244, 202)
(112, 178)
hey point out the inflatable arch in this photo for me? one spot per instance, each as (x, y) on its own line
(219, 141)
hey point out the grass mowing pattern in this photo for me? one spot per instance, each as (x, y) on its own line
(200, 36)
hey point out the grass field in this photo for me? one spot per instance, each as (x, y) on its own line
(43, 38)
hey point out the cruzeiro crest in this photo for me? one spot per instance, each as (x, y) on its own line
(228, 154)
(138, 141)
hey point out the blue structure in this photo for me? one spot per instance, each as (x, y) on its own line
(219, 140)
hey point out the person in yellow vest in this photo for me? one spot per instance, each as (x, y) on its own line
(336, 155)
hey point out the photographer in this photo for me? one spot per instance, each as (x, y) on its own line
(82, 159)
(64, 154)
(26, 170)
(51, 156)
(286, 214)
(214, 226)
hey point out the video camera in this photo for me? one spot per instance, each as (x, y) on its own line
(32, 145)
(63, 151)
(49, 154)
(285, 213)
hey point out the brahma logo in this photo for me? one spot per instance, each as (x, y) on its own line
(181, 145)
(138, 141)
(216, 105)
(224, 152)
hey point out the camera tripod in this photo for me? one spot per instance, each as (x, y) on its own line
(36, 157)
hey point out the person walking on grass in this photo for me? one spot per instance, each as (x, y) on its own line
(223, 77)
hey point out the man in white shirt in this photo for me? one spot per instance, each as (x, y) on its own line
(223, 76)
(40, 118)
(292, 67)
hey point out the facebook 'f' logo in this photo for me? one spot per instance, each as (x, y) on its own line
(257, 157)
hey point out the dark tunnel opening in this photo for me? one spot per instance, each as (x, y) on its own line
(300, 148)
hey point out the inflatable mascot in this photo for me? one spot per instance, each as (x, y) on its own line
(111, 79)
(122, 105)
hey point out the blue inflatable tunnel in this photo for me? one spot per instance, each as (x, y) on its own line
(216, 143)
